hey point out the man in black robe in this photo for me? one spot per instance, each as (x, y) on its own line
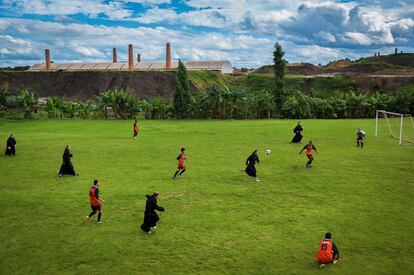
(298, 136)
(250, 165)
(67, 167)
(150, 216)
(11, 146)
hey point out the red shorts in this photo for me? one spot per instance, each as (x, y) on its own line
(181, 166)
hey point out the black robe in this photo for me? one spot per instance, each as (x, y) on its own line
(150, 216)
(250, 162)
(67, 167)
(11, 147)
(298, 136)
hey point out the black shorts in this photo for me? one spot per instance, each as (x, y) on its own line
(96, 208)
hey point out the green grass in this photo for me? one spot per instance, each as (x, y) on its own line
(217, 220)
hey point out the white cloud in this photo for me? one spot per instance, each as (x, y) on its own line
(92, 8)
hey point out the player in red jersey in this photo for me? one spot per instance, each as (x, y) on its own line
(309, 147)
(136, 129)
(328, 251)
(96, 201)
(181, 165)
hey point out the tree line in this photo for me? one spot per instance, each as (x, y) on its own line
(215, 103)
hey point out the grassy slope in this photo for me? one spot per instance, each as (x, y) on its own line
(217, 220)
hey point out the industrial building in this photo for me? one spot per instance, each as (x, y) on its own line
(223, 67)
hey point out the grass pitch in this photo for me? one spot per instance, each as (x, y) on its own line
(217, 220)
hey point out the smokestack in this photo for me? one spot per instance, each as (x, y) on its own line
(168, 56)
(396, 51)
(47, 57)
(138, 57)
(130, 57)
(114, 56)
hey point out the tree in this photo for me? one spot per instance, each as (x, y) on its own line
(279, 73)
(182, 100)
(29, 102)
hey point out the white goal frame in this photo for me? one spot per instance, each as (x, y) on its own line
(389, 127)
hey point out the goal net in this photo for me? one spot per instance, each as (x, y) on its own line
(396, 125)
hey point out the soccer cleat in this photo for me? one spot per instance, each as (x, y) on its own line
(77, 174)
(87, 218)
(335, 261)
(154, 227)
(99, 222)
(149, 232)
(257, 179)
(60, 175)
(321, 265)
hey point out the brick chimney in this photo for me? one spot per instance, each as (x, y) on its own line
(168, 57)
(138, 57)
(47, 57)
(130, 57)
(114, 56)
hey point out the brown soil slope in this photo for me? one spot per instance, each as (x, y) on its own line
(86, 85)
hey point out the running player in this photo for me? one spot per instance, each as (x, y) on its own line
(181, 165)
(136, 129)
(360, 137)
(309, 147)
(96, 201)
(328, 251)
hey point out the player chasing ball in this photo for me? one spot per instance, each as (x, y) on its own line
(181, 165)
(360, 137)
(309, 147)
(328, 251)
(95, 201)
(250, 164)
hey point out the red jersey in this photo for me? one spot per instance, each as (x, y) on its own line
(325, 252)
(309, 148)
(181, 158)
(136, 127)
(94, 196)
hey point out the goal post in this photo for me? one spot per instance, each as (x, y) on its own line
(395, 125)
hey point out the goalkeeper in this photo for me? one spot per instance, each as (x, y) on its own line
(360, 137)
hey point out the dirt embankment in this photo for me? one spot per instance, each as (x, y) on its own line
(86, 85)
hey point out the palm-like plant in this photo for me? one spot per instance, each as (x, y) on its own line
(54, 106)
(29, 102)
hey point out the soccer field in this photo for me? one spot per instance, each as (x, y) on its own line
(217, 220)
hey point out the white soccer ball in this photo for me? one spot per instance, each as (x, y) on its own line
(268, 151)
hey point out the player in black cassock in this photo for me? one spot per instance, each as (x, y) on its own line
(250, 165)
(298, 136)
(67, 167)
(11, 146)
(150, 216)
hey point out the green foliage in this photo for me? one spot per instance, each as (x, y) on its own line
(278, 66)
(202, 80)
(29, 102)
(54, 107)
(119, 102)
(279, 75)
(182, 100)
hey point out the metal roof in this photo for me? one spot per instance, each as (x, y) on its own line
(221, 66)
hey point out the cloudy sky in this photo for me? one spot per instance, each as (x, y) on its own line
(241, 31)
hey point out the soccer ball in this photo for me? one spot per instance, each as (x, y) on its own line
(268, 152)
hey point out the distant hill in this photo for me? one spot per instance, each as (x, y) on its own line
(394, 64)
